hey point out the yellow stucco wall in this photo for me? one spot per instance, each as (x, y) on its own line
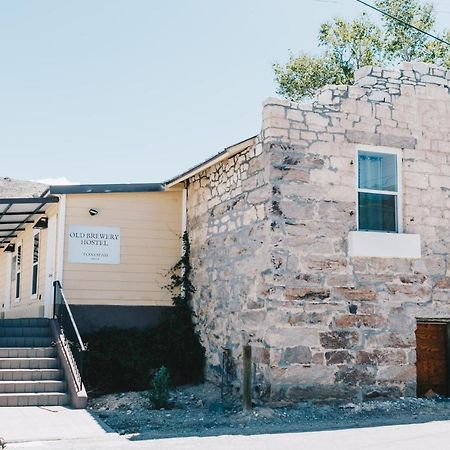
(26, 305)
(150, 226)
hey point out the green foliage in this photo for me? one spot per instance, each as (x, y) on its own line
(401, 41)
(349, 45)
(180, 279)
(189, 359)
(435, 51)
(159, 391)
(304, 74)
(119, 360)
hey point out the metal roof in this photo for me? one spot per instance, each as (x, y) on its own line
(106, 188)
(16, 213)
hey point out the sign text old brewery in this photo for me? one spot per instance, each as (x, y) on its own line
(95, 245)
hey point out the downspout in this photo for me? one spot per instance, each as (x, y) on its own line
(184, 207)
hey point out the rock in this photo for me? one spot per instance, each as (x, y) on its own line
(430, 394)
(264, 412)
(338, 357)
(356, 375)
(382, 392)
(219, 407)
(296, 355)
(339, 339)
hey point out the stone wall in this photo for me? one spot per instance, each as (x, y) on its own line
(270, 255)
(227, 221)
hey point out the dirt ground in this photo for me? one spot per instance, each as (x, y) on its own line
(199, 411)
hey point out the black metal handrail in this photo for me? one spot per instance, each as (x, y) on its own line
(71, 342)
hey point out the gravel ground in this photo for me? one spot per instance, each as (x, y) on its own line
(199, 411)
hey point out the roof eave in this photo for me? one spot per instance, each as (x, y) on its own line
(106, 188)
(227, 153)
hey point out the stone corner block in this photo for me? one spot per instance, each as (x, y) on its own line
(362, 72)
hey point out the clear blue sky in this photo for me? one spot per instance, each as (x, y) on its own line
(140, 90)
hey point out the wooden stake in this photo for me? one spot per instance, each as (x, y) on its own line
(247, 378)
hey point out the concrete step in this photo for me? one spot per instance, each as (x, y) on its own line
(25, 331)
(34, 399)
(27, 352)
(32, 386)
(32, 322)
(29, 363)
(31, 374)
(25, 341)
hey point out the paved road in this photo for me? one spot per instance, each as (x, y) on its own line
(429, 436)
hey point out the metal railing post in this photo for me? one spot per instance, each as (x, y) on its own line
(71, 341)
(54, 298)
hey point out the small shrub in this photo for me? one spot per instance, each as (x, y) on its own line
(160, 389)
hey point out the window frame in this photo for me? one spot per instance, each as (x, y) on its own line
(35, 233)
(399, 193)
(18, 270)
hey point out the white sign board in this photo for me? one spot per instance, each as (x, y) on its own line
(94, 245)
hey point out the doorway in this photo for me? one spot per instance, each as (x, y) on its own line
(432, 359)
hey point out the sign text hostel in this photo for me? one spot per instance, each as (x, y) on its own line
(94, 245)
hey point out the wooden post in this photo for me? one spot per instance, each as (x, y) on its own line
(247, 378)
(447, 357)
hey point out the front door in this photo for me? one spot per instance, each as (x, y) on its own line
(431, 350)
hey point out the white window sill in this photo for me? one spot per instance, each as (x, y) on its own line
(372, 244)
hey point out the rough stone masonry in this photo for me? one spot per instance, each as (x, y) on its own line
(269, 232)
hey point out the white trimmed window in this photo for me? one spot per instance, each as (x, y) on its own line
(35, 264)
(379, 190)
(18, 271)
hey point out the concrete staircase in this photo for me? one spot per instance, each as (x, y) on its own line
(30, 372)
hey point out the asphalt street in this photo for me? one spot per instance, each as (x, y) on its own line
(430, 436)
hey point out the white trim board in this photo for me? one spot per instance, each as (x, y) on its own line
(372, 244)
(34, 233)
(61, 238)
(8, 273)
(50, 265)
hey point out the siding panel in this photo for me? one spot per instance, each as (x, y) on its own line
(150, 225)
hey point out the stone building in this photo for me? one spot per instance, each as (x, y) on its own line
(323, 241)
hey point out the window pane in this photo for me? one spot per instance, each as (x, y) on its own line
(19, 257)
(34, 280)
(36, 248)
(377, 171)
(18, 285)
(377, 212)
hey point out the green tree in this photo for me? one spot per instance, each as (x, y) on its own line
(438, 52)
(401, 41)
(302, 75)
(349, 45)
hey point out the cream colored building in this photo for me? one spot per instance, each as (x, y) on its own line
(110, 246)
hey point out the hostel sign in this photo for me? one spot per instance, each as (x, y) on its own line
(94, 245)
